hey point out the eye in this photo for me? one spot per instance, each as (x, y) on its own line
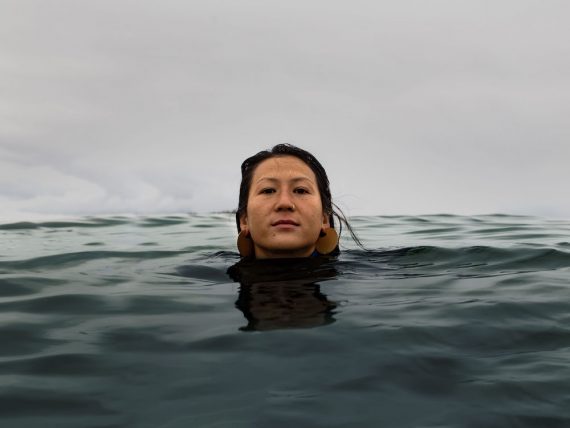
(301, 190)
(267, 190)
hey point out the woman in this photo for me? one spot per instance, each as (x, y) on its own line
(285, 207)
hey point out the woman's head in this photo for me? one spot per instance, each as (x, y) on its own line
(284, 203)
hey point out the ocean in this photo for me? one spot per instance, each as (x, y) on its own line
(150, 321)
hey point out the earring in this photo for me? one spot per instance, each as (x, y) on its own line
(328, 241)
(245, 244)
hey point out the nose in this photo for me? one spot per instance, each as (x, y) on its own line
(285, 202)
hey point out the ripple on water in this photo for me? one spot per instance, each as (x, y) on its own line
(446, 315)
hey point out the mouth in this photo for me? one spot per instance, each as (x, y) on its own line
(285, 223)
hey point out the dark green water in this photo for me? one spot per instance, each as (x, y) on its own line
(133, 322)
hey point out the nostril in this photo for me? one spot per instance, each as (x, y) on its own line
(285, 205)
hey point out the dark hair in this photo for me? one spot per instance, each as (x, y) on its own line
(248, 168)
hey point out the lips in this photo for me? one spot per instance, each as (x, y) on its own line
(285, 222)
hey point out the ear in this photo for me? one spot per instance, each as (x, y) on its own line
(243, 222)
(326, 221)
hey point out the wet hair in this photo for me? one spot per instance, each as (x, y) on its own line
(248, 168)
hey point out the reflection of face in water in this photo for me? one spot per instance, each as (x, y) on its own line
(284, 293)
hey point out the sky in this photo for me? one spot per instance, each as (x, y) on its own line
(413, 106)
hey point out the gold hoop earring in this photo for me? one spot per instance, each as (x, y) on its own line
(245, 244)
(328, 241)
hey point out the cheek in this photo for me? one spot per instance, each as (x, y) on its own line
(255, 214)
(319, 211)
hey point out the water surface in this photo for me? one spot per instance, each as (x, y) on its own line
(134, 321)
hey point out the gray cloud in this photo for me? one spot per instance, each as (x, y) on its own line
(412, 106)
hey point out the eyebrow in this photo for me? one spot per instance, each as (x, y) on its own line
(295, 179)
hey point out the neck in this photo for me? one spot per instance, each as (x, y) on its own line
(260, 253)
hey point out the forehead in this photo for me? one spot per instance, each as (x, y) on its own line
(283, 167)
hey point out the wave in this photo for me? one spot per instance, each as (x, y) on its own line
(472, 260)
(58, 261)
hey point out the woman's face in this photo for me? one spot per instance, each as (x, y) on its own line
(284, 210)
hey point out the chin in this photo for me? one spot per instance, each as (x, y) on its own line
(288, 249)
(292, 250)
(290, 245)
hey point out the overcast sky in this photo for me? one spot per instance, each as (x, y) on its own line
(413, 106)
